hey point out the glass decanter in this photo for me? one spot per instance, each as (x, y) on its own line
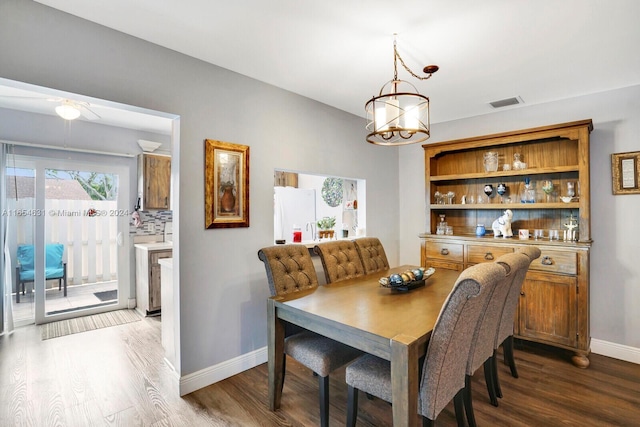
(517, 162)
(529, 193)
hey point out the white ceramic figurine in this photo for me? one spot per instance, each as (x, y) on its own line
(502, 225)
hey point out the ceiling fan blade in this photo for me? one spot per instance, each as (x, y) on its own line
(88, 113)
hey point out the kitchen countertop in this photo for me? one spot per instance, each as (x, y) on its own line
(154, 246)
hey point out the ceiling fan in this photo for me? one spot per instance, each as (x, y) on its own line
(66, 108)
(71, 110)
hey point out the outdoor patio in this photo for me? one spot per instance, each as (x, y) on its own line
(78, 296)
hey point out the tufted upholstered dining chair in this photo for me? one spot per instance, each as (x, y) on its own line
(504, 336)
(290, 269)
(444, 367)
(483, 349)
(372, 254)
(340, 260)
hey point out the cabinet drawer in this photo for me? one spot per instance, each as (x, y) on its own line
(556, 262)
(478, 254)
(437, 264)
(451, 252)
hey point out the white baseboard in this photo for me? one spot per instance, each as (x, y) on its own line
(226, 369)
(617, 351)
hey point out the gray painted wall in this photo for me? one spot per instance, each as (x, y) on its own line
(223, 289)
(615, 229)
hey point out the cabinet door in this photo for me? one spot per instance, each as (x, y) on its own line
(157, 181)
(155, 301)
(547, 310)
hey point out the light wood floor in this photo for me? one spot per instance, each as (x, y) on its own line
(116, 377)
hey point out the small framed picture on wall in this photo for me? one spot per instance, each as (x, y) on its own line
(625, 173)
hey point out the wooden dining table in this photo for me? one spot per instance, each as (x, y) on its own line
(393, 325)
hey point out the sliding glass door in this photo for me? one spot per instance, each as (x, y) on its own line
(75, 258)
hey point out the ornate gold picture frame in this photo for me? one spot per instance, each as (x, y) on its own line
(625, 172)
(226, 194)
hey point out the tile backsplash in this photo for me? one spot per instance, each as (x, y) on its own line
(153, 223)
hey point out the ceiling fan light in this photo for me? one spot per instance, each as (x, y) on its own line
(68, 111)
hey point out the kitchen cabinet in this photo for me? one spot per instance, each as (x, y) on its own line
(148, 276)
(554, 303)
(154, 181)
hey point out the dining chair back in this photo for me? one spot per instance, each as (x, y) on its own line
(444, 367)
(372, 254)
(290, 269)
(340, 260)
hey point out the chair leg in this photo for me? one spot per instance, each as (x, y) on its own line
(507, 346)
(18, 284)
(468, 404)
(284, 369)
(488, 378)
(496, 380)
(324, 400)
(458, 404)
(352, 406)
(64, 277)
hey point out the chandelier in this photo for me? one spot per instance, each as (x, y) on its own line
(399, 115)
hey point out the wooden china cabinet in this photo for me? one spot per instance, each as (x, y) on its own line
(554, 302)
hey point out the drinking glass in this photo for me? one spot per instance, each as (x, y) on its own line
(501, 190)
(547, 187)
(488, 190)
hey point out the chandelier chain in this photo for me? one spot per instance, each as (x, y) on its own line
(395, 66)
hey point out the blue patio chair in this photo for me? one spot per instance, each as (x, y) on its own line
(55, 267)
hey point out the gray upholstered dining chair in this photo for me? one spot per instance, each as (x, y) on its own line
(444, 367)
(290, 269)
(483, 348)
(504, 336)
(340, 260)
(372, 254)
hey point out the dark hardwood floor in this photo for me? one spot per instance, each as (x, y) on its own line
(117, 377)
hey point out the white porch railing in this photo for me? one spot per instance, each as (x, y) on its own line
(90, 241)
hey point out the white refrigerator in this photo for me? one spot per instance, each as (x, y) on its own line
(293, 207)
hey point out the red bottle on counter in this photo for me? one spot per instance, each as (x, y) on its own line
(297, 234)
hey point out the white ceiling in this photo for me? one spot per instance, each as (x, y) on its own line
(340, 52)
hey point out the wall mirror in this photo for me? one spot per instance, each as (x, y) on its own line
(300, 200)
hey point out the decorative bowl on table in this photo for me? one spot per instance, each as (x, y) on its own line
(407, 280)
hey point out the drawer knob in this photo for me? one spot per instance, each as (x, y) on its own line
(444, 251)
(546, 260)
(488, 256)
